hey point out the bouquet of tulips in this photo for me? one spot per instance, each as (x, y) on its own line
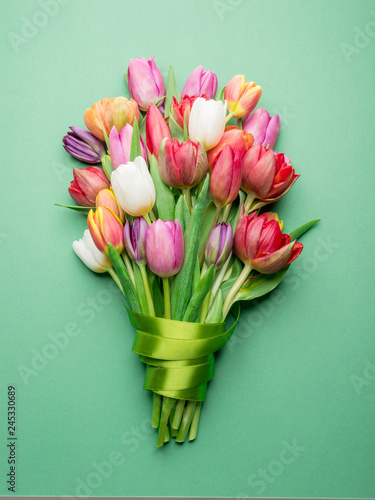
(173, 215)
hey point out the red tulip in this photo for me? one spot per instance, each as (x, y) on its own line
(156, 129)
(240, 140)
(181, 109)
(225, 181)
(86, 185)
(259, 242)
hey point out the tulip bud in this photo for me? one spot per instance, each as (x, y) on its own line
(146, 85)
(106, 198)
(105, 227)
(265, 175)
(86, 185)
(135, 240)
(264, 128)
(83, 145)
(259, 242)
(200, 82)
(165, 248)
(219, 245)
(156, 130)
(225, 178)
(109, 112)
(240, 140)
(120, 145)
(88, 253)
(134, 187)
(241, 96)
(207, 121)
(182, 165)
(181, 110)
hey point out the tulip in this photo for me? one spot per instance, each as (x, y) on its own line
(241, 96)
(266, 176)
(109, 112)
(264, 128)
(200, 82)
(165, 248)
(182, 165)
(86, 185)
(134, 187)
(219, 245)
(259, 243)
(240, 140)
(83, 145)
(182, 109)
(120, 145)
(207, 121)
(225, 181)
(135, 240)
(105, 227)
(146, 85)
(156, 130)
(87, 251)
(106, 198)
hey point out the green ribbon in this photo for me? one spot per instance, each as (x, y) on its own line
(179, 356)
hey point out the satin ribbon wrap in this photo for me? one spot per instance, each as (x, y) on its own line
(179, 355)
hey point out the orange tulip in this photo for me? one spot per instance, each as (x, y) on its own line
(241, 96)
(109, 112)
(240, 141)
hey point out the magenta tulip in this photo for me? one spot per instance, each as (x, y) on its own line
(165, 248)
(145, 82)
(200, 82)
(119, 145)
(264, 128)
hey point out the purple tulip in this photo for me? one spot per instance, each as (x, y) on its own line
(119, 145)
(219, 245)
(145, 83)
(200, 82)
(135, 239)
(264, 128)
(165, 248)
(83, 145)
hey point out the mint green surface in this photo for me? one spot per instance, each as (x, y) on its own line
(300, 371)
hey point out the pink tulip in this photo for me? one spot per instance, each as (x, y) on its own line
(225, 181)
(119, 145)
(165, 248)
(264, 128)
(200, 82)
(145, 82)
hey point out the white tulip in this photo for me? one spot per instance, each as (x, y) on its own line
(133, 187)
(88, 253)
(207, 121)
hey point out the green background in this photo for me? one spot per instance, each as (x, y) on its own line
(301, 367)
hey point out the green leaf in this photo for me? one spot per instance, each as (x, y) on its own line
(123, 275)
(105, 137)
(261, 285)
(140, 288)
(107, 166)
(157, 295)
(135, 145)
(126, 77)
(182, 285)
(186, 133)
(182, 212)
(226, 286)
(172, 91)
(220, 95)
(164, 196)
(302, 229)
(233, 219)
(175, 129)
(204, 286)
(208, 218)
(196, 275)
(77, 208)
(142, 126)
(215, 314)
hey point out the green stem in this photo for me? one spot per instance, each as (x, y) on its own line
(111, 271)
(146, 284)
(168, 404)
(205, 307)
(147, 219)
(186, 421)
(152, 216)
(235, 289)
(248, 202)
(195, 421)
(229, 116)
(167, 299)
(129, 268)
(156, 407)
(186, 193)
(218, 280)
(178, 414)
(226, 212)
(239, 123)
